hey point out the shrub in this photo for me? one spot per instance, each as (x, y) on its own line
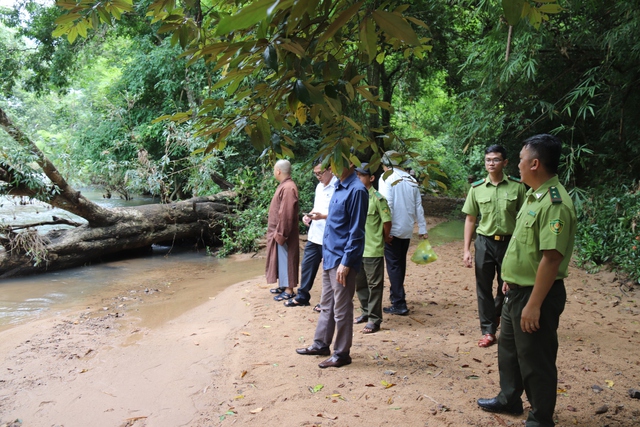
(607, 230)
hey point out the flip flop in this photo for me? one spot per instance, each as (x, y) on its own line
(371, 328)
(277, 290)
(360, 319)
(284, 296)
(317, 308)
(294, 302)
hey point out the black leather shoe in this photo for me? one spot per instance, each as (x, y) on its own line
(313, 351)
(335, 362)
(396, 310)
(492, 405)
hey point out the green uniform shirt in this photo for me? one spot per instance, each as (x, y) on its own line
(497, 205)
(546, 221)
(377, 215)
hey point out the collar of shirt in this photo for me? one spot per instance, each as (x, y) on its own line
(488, 180)
(348, 181)
(544, 188)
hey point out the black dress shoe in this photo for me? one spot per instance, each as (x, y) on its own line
(492, 405)
(313, 351)
(396, 310)
(335, 362)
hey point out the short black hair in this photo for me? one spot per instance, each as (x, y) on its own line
(495, 148)
(547, 149)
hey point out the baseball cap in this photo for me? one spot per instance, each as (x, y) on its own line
(363, 169)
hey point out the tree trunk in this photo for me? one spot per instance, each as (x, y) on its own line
(107, 231)
(139, 227)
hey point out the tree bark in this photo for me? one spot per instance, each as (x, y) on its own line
(107, 231)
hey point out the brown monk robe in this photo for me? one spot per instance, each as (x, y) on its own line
(282, 230)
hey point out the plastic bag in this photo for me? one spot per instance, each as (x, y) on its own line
(424, 253)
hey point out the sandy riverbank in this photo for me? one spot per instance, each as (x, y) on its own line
(232, 361)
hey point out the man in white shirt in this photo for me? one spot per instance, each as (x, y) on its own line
(403, 195)
(315, 220)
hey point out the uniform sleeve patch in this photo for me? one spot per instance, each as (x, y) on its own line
(556, 226)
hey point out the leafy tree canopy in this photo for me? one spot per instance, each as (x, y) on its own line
(283, 63)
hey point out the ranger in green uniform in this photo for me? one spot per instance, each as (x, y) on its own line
(370, 278)
(533, 269)
(497, 200)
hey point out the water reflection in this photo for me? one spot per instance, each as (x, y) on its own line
(27, 298)
(446, 232)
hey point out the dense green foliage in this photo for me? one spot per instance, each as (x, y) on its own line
(608, 231)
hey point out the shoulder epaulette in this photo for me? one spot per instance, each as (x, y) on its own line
(515, 178)
(378, 195)
(478, 182)
(554, 194)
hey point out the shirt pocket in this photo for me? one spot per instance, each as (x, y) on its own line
(526, 231)
(485, 206)
(509, 203)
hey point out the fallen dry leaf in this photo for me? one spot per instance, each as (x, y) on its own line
(242, 374)
(255, 411)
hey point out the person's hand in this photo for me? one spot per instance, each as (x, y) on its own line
(341, 275)
(467, 259)
(530, 319)
(424, 236)
(307, 220)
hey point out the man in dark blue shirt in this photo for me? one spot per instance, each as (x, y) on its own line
(343, 245)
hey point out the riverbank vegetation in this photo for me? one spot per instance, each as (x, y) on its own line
(236, 85)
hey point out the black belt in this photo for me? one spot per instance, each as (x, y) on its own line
(499, 238)
(513, 286)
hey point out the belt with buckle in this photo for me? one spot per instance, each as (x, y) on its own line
(499, 238)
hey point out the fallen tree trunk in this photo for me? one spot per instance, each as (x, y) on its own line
(138, 227)
(107, 231)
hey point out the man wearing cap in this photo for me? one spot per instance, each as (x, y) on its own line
(403, 196)
(533, 269)
(497, 200)
(370, 278)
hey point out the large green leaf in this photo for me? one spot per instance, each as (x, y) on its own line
(512, 10)
(339, 22)
(396, 26)
(249, 15)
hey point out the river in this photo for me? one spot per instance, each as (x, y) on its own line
(29, 298)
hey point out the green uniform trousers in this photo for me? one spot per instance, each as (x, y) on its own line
(370, 288)
(528, 361)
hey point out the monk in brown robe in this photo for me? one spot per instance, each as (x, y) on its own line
(283, 251)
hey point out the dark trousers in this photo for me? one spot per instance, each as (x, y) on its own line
(370, 288)
(395, 256)
(488, 260)
(308, 269)
(528, 361)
